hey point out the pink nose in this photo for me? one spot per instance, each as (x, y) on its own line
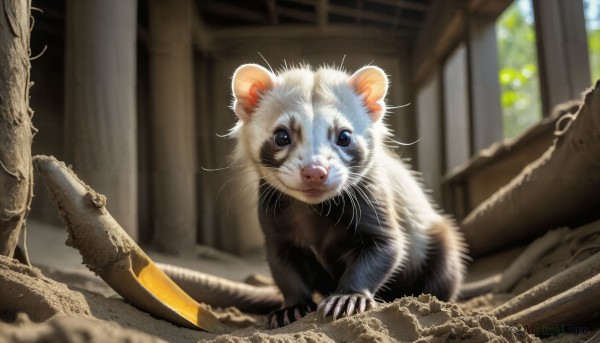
(314, 175)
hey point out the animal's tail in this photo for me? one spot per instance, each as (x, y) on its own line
(221, 292)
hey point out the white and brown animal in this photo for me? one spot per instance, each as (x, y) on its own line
(341, 213)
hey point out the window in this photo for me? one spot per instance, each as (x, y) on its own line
(592, 25)
(518, 69)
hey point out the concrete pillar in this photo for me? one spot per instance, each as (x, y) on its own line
(173, 125)
(100, 101)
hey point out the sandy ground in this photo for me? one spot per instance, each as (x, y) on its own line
(63, 302)
(47, 250)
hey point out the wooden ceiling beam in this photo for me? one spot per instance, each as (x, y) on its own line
(445, 28)
(323, 7)
(302, 31)
(304, 2)
(488, 7)
(200, 33)
(273, 12)
(296, 14)
(403, 4)
(368, 15)
(322, 13)
(360, 5)
(233, 11)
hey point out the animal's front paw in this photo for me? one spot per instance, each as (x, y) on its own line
(343, 305)
(290, 314)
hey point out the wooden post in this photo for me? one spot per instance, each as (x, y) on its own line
(16, 183)
(562, 50)
(100, 101)
(173, 125)
(456, 109)
(486, 112)
(429, 129)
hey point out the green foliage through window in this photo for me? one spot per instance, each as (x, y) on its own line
(518, 76)
(592, 24)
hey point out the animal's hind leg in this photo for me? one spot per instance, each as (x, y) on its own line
(440, 275)
(445, 266)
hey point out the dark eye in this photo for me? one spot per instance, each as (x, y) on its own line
(282, 138)
(344, 138)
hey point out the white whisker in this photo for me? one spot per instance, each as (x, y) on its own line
(399, 106)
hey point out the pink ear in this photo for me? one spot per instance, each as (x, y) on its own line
(250, 82)
(370, 83)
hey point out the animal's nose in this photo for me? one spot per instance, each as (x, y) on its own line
(314, 175)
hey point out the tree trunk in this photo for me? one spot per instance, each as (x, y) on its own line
(16, 130)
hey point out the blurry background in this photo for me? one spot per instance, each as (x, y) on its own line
(134, 94)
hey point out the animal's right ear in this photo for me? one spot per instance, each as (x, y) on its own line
(250, 82)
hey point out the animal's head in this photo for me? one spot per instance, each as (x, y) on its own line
(309, 134)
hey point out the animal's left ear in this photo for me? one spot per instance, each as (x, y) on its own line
(371, 83)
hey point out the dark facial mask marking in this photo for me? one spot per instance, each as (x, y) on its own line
(270, 148)
(357, 154)
(267, 154)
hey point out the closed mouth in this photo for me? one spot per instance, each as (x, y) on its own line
(313, 192)
(307, 192)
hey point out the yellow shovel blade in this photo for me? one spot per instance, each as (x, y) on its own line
(107, 250)
(149, 288)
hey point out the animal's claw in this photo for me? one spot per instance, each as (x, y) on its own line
(350, 306)
(362, 305)
(340, 306)
(343, 305)
(288, 315)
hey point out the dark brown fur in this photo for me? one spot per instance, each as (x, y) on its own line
(323, 248)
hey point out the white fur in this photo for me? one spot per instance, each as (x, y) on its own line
(315, 100)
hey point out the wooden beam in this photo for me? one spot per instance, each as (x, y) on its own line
(322, 13)
(575, 305)
(403, 4)
(367, 15)
(360, 4)
(305, 2)
(361, 14)
(207, 40)
(456, 108)
(486, 111)
(296, 14)
(562, 50)
(488, 8)
(273, 12)
(430, 130)
(233, 11)
(302, 31)
(200, 33)
(560, 188)
(445, 28)
(430, 52)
